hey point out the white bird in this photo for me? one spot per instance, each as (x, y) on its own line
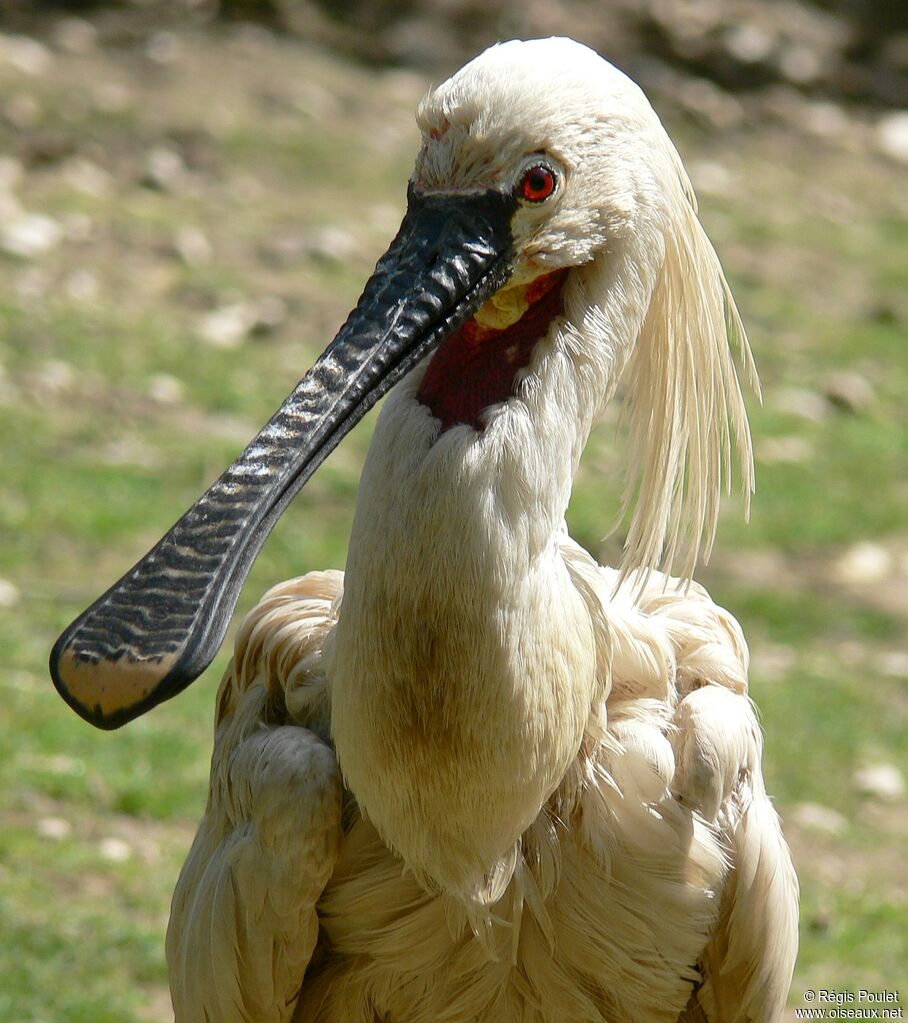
(479, 778)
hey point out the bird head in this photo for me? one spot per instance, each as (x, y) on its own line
(568, 136)
(536, 157)
(598, 187)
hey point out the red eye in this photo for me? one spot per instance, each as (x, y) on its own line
(538, 183)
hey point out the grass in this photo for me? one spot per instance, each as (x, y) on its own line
(96, 465)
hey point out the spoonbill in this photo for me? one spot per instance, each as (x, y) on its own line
(479, 777)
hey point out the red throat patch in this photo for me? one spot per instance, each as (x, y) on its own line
(477, 366)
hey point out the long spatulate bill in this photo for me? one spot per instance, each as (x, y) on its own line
(159, 627)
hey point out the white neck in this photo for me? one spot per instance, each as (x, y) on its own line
(465, 661)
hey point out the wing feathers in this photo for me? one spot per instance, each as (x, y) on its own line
(751, 954)
(243, 923)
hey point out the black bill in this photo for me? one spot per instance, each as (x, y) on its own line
(160, 626)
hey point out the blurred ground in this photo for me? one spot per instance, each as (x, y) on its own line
(186, 213)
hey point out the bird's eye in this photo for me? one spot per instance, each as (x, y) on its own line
(538, 183)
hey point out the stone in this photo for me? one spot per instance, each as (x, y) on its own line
(115, 850)
(800, 64)
(164, 170)
(230, 325)
(163, 48)
(893, 663)
(710, 177)
(826, 120)
(166, 389)
(30, 235)
(54, 828)
(270, 313)
(850, 391)
(891, 136)
(75, 35)
(748, 43)
(22, 110)
(880, 781)
(111, 97)
(814, 817)
(801, 402)
(9, 593)
(25, 54)
(11, 173)
(864, 562)
(82, 285)
(192, 246)
(78, 227)
(791, 450)
(87, 177)
(54, 376)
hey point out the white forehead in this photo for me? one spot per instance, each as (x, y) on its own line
(525, 96)
(533, 77)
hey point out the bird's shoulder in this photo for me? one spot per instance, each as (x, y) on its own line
(281, 646)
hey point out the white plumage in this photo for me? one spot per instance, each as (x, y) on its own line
(480, 777)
